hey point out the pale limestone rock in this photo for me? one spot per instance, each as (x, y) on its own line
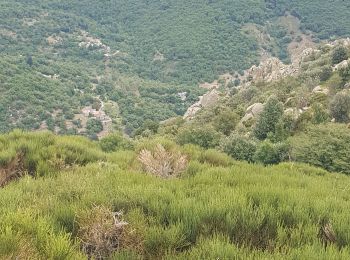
(255, 109)
(207, 100)
(182, 95)
(341, 65)
(319, 89)
(247, 117)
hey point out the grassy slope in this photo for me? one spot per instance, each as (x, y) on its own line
(218, 209)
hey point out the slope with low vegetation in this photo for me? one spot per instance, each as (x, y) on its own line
(107, 206)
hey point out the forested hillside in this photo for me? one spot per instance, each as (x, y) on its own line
(284, 114)
(59, 57)
(209, 129)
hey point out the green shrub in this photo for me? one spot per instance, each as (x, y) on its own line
(326, 146)
(226, 122)
(115, 142)
(340, 107)
(44, 153)
(270, 116)
(219, 208)
(205, 137)
(93, 126)
(269, 153)
(192, 151)
(326, 73)
(239, 147)
(345, 74)
(215, 158)
(320, 114)
(339, 54)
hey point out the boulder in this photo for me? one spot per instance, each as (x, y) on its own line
(319, 89)
(207, 100)
(247, 118)
(210, 98)
(252, 112)
(255, 109)
(289, 102)
(295, 113)
(341, 65)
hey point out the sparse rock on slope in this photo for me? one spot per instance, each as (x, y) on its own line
(207, 100)
(252, 112)
(319, 89)
(273, 69)
(341, 65)
(269, 70)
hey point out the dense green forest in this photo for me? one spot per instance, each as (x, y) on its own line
(49, 71)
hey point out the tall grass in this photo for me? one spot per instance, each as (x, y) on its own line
(218, 209)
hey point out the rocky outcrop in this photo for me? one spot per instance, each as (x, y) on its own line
(252, 112)
(255, 109)
(207, 100)
(294, 112)
(345, 42)
(182, 95)
(270, 70)
(321, 90)
(247, 118)
(53, 39)
(341, 65)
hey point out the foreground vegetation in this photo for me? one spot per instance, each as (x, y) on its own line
(216, 208)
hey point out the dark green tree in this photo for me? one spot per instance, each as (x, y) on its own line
(205, 137)
(270, 153)
(115, 142)
(93, 126)
(345, 74)
(239, 147)
(270, 116)
(340, 107)
(29, 60)
(326, 73)
(339, 54)
(226, 122)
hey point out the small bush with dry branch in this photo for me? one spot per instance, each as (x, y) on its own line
(101, 232)
(163, 163)
(13, 170)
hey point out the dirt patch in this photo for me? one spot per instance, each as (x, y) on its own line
(210, 86)
(8, 33)
(53, 40)
(158, 56)
(300, 41)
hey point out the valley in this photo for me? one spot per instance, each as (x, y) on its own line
(158, 129)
